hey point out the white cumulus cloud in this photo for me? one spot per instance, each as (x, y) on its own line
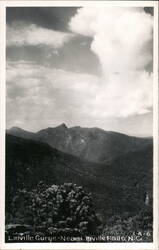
(122, 40)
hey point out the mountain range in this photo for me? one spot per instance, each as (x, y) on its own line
(91, 144)
(115, 168)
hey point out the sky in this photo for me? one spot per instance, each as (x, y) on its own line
(89, 67)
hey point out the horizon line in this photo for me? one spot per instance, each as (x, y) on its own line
(78, 126)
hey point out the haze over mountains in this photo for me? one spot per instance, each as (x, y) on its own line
(91, 144)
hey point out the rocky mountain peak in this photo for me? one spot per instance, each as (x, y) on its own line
(62, 126)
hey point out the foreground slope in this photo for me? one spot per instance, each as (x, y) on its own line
(116, 188)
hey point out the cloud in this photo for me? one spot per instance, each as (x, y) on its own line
(122, 40)
(41, 96)
(124, 96)
(22, 34)
(121, 36)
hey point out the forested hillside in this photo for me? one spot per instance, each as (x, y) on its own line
(116, 188)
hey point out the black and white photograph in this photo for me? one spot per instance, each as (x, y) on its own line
(79, 134)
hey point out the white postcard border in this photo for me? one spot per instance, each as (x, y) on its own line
(117, 246)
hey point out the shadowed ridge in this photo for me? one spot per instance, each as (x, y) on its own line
(91, 144)
(119, 186)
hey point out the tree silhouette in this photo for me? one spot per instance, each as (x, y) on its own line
(57, 210)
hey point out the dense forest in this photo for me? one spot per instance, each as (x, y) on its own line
(59, 194)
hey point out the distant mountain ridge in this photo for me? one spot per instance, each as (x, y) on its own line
(19, 132)
(91, 144)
